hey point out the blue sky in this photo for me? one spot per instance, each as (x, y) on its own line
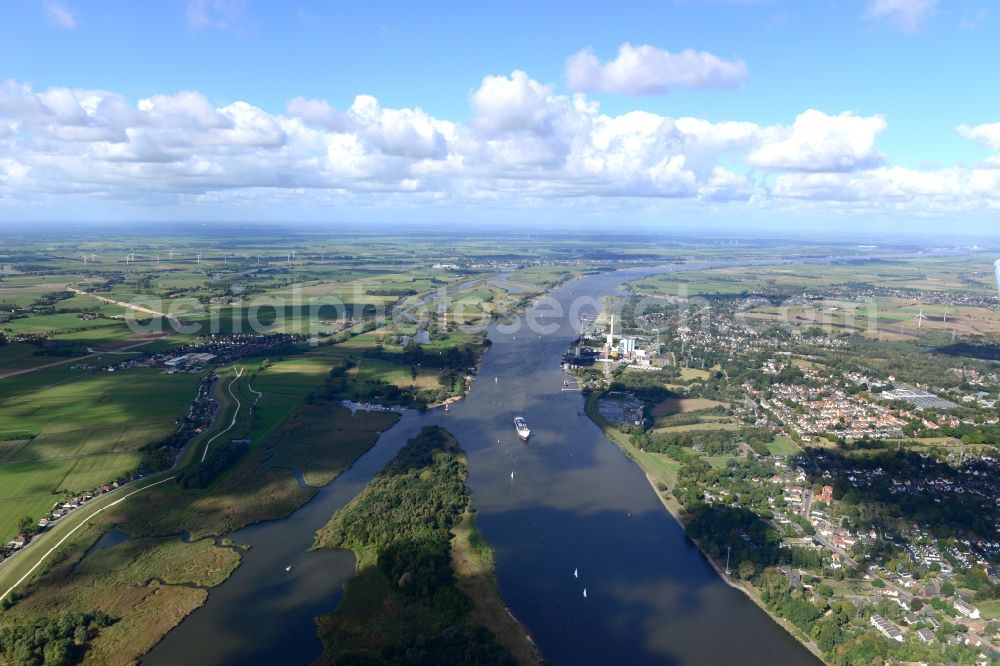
(889, 82)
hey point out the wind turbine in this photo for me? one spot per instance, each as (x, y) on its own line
(199, 257)
(171, 255)
(920, 319)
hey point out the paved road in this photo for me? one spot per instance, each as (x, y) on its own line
(81, 523)
(232, 424)
(807, 504)
(130, 306)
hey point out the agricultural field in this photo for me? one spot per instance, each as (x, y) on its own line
(371, 371)
(683, 406)
(78, 434)
(17, 356)
(928, 274)
(322, 440)
(889, 300)
(894, 317)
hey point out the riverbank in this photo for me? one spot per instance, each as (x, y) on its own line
(473, 562)
(146, 586)
(664, 492)
(424, 587)
(262, 486)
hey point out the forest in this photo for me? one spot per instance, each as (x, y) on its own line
(56, 641)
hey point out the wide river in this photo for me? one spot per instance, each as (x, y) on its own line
(574, 502)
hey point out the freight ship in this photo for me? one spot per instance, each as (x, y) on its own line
(522, 428)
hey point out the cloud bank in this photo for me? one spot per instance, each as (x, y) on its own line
(521, 142)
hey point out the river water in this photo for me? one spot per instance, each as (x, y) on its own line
(574, 502)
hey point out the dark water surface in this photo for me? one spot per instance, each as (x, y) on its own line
(652, 597)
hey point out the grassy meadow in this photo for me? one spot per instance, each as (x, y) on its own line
(82, 433)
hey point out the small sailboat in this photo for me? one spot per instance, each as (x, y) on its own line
(496, 380)
(446, 406)
(576, 573)
(584, 593)
(511, 474)
(288, 568)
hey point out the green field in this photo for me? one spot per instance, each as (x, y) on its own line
(84, 432)
(19, 356)
(938, 274)
(58, 323)
(783, 446)
(659, 466)
(322, 440)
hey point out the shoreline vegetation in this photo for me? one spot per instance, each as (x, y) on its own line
(149, 588)
(673, 507)
(425, 590)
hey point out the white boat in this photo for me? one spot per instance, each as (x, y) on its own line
(584, 593)
(576, 573)
(522, 428)
(512, 474)
(288, 568)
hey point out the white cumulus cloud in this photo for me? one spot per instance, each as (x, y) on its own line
(521, 142)
(820, 142)
(987, 135)
(647, 70)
